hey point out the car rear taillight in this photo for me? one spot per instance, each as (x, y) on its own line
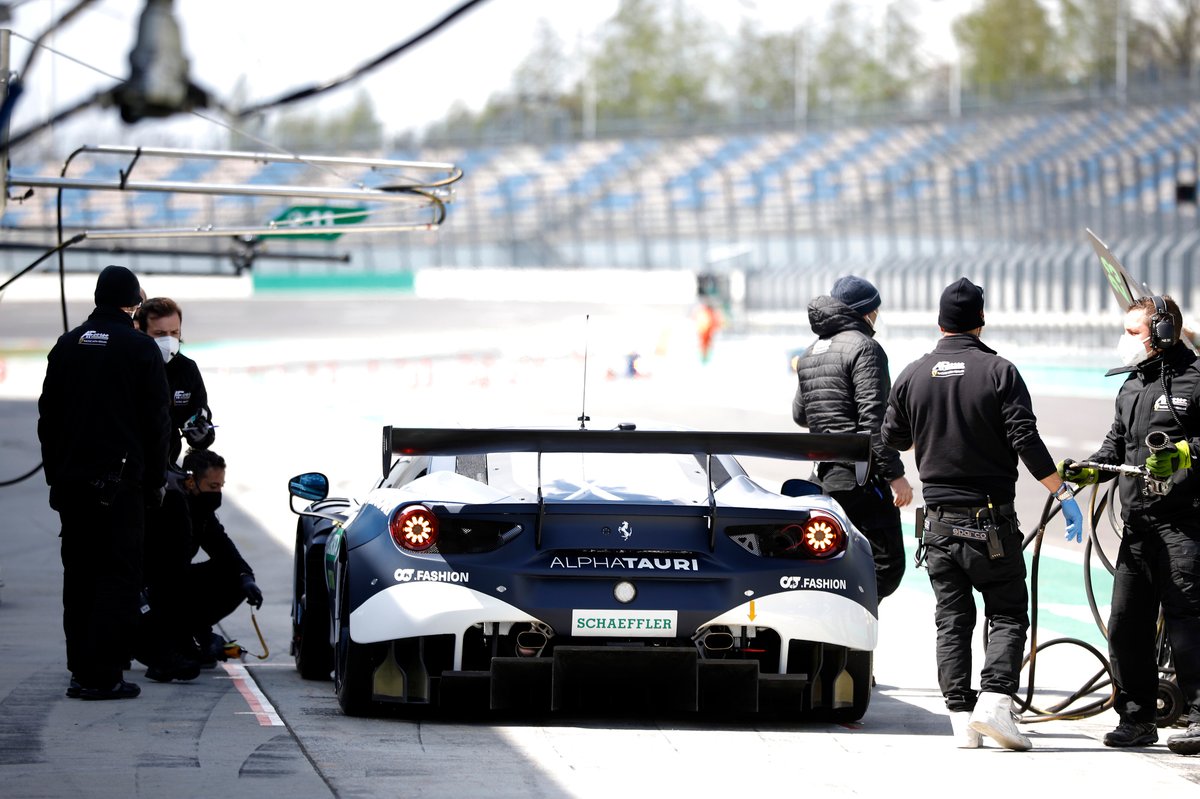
(414, 527)
(821, 536)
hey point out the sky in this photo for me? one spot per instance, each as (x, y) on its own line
(279, 45)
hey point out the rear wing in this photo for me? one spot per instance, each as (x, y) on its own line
(789, 446)
(853, 448)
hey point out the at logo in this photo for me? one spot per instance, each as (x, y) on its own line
(948, 369)
(404, 575)
(789, 582)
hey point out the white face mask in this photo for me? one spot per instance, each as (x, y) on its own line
(1131, 350)
(169, 346)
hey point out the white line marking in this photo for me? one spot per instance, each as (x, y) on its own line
(260, 706)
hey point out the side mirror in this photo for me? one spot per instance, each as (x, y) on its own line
(310, 485)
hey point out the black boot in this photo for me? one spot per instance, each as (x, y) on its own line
(1133, 733)
(1186, 742)
(122, 690)
(173, 666)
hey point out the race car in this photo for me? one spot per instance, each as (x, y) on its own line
(566, 570)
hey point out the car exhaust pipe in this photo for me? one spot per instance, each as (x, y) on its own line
(718, 641)
(530, 643)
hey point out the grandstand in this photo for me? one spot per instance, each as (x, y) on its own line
(909, 203)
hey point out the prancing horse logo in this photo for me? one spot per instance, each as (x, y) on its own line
(625, 530)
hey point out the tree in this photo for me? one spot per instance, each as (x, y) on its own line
(355, 128)
(840, 56)
(1006, 44)
(650, 67)
(761, 75)
(1174, 30)
(536, 105)
(1089, 39)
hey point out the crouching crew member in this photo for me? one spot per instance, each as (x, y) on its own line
(967, 413)
(196, 596)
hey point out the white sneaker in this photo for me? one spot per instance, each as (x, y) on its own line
(993, 717)
(964, 736)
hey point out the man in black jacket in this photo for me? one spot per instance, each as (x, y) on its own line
(1159, 558)
(967, 413)
(161, 318)
(186, 598)
(842, 387)
(103, 429)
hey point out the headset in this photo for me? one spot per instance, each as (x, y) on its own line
(1162, 327)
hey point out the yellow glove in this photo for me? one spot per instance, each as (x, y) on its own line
(1079, 475)
(1164, 464)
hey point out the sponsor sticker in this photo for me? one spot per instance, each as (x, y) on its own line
(813, 583)
(589, 562)
(182, 397)
(94, 338)
(622, 623)
(424, 575)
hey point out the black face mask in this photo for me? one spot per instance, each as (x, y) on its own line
(206, 501)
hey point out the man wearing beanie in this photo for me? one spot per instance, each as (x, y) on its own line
(842, 387)
(103, 428)
(968, 415)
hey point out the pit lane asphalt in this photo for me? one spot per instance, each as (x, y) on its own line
(205, 738)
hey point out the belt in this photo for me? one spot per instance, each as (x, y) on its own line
(973, 510)
(988, 534)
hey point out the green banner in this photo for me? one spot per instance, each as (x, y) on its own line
(326, 218)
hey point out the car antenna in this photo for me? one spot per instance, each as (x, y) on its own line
(583, 417)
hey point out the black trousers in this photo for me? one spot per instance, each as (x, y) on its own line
(102, 565)
(216, 591)
(186, 608)
(1157, 564)
(871, 509)
(957, 568)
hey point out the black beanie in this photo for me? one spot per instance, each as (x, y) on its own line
(961, 308)
(117, 287)
(859, 294)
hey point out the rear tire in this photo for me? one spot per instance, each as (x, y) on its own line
(354, 668)
(352, 676)
(310, 631)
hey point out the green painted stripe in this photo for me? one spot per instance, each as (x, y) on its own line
(348, 281)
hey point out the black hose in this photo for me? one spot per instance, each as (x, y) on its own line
(1061, 710)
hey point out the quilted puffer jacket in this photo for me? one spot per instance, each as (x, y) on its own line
(842, 387)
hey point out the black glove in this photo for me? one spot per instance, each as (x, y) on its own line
(254, 596)
(154, 496)
(198, 430)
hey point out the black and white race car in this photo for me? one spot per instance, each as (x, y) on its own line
(545, 570)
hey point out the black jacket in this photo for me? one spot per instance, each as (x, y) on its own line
(191, 528)
(842, 385)
(104, 399)
(968, 414)
(188, 396)
(1142, 409)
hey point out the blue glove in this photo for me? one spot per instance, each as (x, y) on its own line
(1074, 519)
